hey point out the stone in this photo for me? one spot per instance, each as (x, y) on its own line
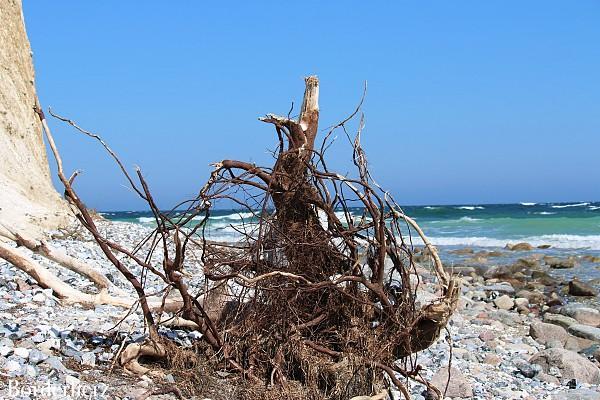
(577, 394)
(560, 320)
(459, 385)
(544, 377)
(555, 344)
(21, 352)
(89, 359)
(570, 365)
(591, 258)
(55, 364)
(38, 338)
(560, 263)
(30, 371)
(533, 296)
(13, 368)
(527, 369)
(39, 298)
(5, 351)
(521, 302)
(592, 352)
(585, 331)
(461, 270)
(49, 345)
(36, 356)
(584, 315)
(523, 246)
(72, 381)
(505, 288)
(578, 288)
(544, 333)
(577, 344)
(554, 300)
(504, 302)
(492, 359)
(498, 271)
(463, 251)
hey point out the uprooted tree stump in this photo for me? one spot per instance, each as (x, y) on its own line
(313, 301)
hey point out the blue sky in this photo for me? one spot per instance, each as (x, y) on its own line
(468, 101)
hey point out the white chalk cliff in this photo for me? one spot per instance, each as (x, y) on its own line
(28, 200)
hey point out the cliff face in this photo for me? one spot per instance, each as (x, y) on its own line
(28, 200)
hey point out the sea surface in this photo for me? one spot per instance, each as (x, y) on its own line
(574, 225)
(571, 229)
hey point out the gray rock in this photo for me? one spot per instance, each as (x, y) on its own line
(570, 364)
(504, 287)
(555, 344)
(560, 263)
(577, 394)
(584, 315)
(544, 333)
(39, 298)
(49, 345)
(534, 296)
(36, 356)
(13, 368)
(506, 317)
(560, 320)
(30, 371)
(504, 302)
(544, 377)
(21, 352)
(527, 369)
(521, 302)
(5, 351)
(585, 331)
(56, 364)
(523, 246)
(578, 288)
(459, 385)
(89, 359)
(38, 338)
(592, 352)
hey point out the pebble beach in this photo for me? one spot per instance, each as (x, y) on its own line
(524, 329)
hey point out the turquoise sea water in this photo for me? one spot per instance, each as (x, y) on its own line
(573, 225)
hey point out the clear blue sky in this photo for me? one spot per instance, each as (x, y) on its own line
(468, 102)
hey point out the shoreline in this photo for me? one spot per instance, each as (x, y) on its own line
(506, 316)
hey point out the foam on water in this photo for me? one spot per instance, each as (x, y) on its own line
(571, 205)
(470, 208)
(469, 219)
(591, 242)
(234, 216)
(561, 225)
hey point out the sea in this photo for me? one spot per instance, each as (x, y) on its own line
(570, 229)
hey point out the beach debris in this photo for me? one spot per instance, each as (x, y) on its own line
(311, 293)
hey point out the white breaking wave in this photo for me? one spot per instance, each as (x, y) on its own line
(470, 208)
(594, 208)
(591, 242)
(572, 205)
(432, 208)
(241, 215)
(145, 220)
(469, 219)
(528, 204)
(545, 213)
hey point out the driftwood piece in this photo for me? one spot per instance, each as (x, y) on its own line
(47, 279)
